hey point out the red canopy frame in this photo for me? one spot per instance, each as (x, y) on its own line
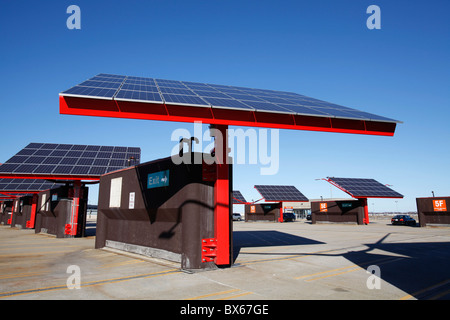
(281, 218)
(211, 115)
(222, 118)
(364, 199)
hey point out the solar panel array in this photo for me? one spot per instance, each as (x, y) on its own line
(69, 159)
(238, 198)
(365, 188)
(172, 92)
(280, 193)
(26, 185)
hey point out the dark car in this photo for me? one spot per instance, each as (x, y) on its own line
(403, 219)
(288, 216)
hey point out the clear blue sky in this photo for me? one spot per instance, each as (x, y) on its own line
(322, 49)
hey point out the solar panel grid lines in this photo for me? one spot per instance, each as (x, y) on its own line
(38, 159)
(238, 198)
(186, 93)
(32, 185)
(177, 93)
(138, 89)
(101, 86)
(365, 188)
(280, 193)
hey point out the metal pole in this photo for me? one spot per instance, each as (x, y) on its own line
(222, 199)
(75, 207)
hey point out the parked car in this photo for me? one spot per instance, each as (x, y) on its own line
(403, 219)
(288, 216)
(237, 217)
(308, 216)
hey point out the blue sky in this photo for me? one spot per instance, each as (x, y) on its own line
(321, 49)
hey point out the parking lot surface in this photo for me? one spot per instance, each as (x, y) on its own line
(273, 261)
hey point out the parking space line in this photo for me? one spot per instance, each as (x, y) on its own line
(119, 264)
(288, 257)
(236, 296)
(427, 289)
(355, 267)
(212, 294)
(33, 253)
(327, 271)
(90, 284)
(39, 247)
(439, 295)
(22, 275)
(334, 274)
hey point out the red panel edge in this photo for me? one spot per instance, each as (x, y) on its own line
(47, 177)
(71, 106)
(6, 192)
(369, 197)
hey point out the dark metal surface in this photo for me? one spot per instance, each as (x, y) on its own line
(348, 211)
(53, 215)
(172, 218)
(23, 214)
(263, 212)
(428, 215)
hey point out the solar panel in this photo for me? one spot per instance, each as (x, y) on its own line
(127, 88)
(190, 100)
(280, 193)
(74, 160)
(238, 198)
(134, 95)
(32, 185)
(364, 188)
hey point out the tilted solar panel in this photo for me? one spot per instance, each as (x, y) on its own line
(238, 198)
(364, 188)
(184, 93)
(280, 193)
(32, 185)
(72, 160)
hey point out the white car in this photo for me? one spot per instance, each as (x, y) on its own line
(237, 217)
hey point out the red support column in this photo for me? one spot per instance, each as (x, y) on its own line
(222, 199)
(366, 211)
(9, 221)
(31, 223)
(281, 218)
(75, 206)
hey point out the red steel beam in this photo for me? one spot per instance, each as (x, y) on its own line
(31, 223)
(75, 208)
(10, 193)
(281, 218)
(48, 177)
(166, 112)
(12, 211)
(222, 201)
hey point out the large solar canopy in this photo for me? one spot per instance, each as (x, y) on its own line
(118, 96)
(280, 193)
(68, 161)
(170, 100)
(364, 188)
